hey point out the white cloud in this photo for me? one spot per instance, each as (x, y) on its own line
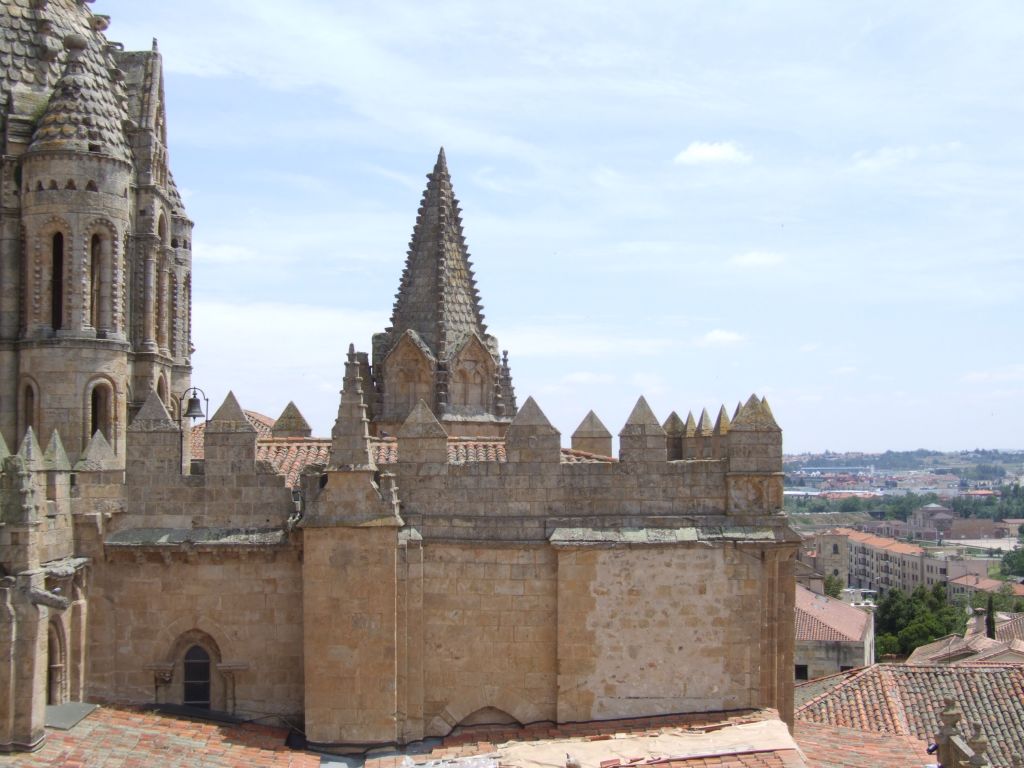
(712, 152)
(719, 338)
(845, 370)
(810, 346)
(1009, 373)
(757, 259)
(885, 158)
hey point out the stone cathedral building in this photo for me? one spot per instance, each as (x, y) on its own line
(440, 559)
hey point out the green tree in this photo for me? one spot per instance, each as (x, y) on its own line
(990, 619)
(886, 645)
(1013, 563)
(833, 586)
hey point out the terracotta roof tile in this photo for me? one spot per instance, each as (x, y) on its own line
(819, 617)
(829, 746)
(906, 699)
(291, 455)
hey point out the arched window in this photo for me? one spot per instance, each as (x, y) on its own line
(196, 678)
(57, 283)
(161, 389)
(835, 549)
(29, 408)
(101, 410)
(95, 279)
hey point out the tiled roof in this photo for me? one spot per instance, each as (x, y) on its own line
(765, 743)
(951, 648)
(879, 542)
(905, 699)
(86, 112)
(123, 738)
(1012, 628)
(829, 746)
(291, 455)
(820, 617)
(985, 584)
(28, 61)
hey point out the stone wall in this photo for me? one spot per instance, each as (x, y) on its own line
(489, 632)
(246, 603)
(656, 629)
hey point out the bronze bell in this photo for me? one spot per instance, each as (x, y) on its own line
(195, 408)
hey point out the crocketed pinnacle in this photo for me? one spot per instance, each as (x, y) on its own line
(437, 297)
(82, 115)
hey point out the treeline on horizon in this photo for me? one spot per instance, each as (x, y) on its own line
(920, 459)
(1008, 504)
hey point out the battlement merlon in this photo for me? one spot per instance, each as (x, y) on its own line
(737, 473)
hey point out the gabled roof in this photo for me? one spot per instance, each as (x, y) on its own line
(437, 296)
(823, 618)
(906, 699)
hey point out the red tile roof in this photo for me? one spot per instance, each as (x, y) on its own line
(906, 699)
(819, 617)
(487, 740)
(289, 456)
(830, 746)
(124, 738)
(985, 584)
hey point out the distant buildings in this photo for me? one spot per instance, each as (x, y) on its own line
(865, 561)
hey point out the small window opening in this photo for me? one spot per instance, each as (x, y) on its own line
(801, 672)
(30, 408)
(161, 390)
(94, 147)
(70, 184)
(57, 283)
(91, 186)
(197, 678)
(39, 186)
(53, 184)
(94, 280)
(100, 411)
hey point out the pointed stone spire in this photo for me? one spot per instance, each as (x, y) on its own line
(30, 452)
(97, 456)
(736, 411)
(722, 422)
(704, 426)
(755, 445)
(350, 437)
(84, 113)
(532, 438)
(690, 427)
(642, 439)
(56, 458)
(422, 439)
(422, 423)
(592, 436)
(437, 296)
(230, 417)
(291, 423)
(755, 415)
(152, 416)
(674, 431)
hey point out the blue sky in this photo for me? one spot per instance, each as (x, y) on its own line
(817, 202)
